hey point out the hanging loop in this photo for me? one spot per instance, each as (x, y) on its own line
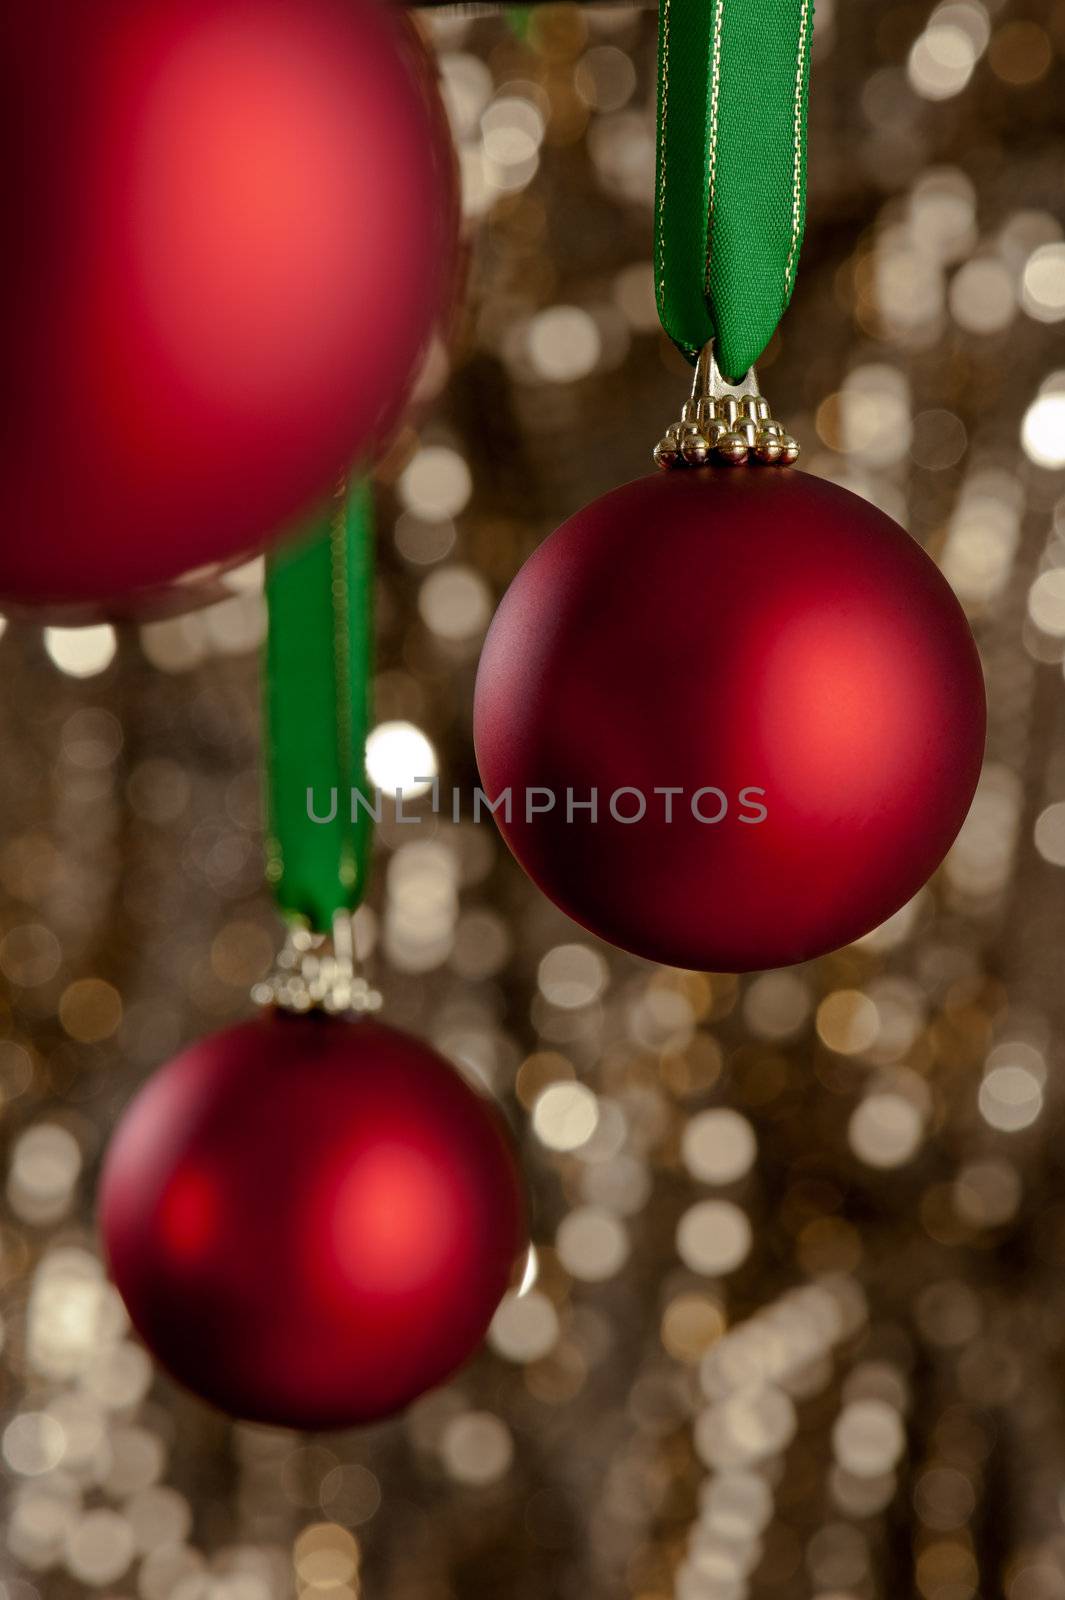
(709, 384)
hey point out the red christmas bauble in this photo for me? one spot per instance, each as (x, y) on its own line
(781, 655)
(310, 1221)
(234, 226)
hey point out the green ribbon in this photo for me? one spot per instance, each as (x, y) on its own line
(730, 204)
(319, 656)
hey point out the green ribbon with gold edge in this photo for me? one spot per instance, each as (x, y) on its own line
(319, 661)
(730, 200)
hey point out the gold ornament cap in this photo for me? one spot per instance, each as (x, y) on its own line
(319, 972)
(724, 425)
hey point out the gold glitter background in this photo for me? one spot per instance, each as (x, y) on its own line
(795, 1324)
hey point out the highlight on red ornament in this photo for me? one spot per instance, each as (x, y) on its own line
(752, 708)
(237, 233)
(311, 1221)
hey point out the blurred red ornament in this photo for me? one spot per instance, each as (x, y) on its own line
(233, 228)
(311, 1221)
(780, 654)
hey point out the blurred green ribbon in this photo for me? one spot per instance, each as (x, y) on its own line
(319, 663)
(730, 204)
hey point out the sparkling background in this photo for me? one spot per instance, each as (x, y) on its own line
(795, 1322)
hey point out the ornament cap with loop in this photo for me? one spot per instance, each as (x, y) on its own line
(724, 424)
(319, 972)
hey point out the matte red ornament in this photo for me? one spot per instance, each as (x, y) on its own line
(233, 230)
(782, 655)
(311, 1221)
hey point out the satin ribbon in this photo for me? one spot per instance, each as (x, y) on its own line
(319, 662)
(730, 205)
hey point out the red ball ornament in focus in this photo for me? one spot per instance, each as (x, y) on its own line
(781, 655)
(311, 1221)
(234, 230)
